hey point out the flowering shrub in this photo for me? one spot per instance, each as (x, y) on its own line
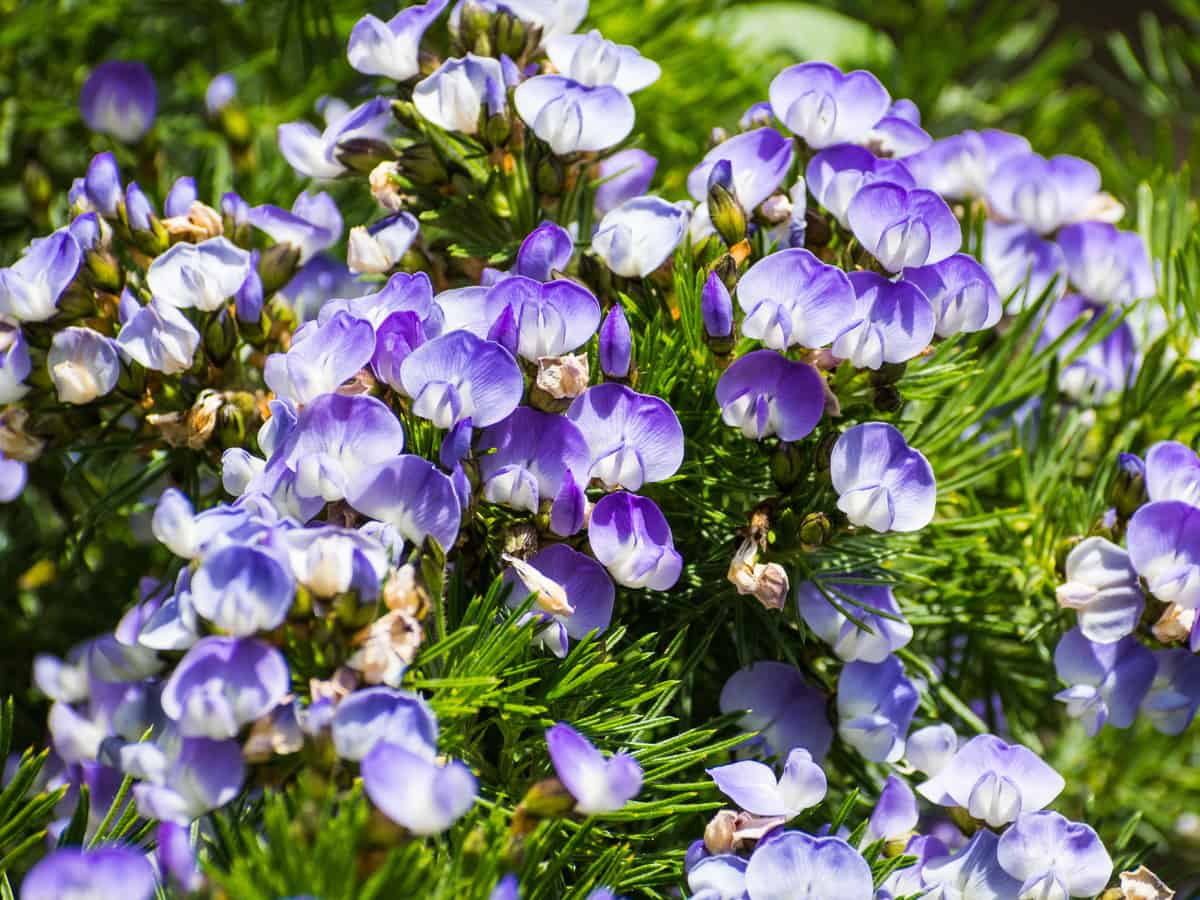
(568, 536)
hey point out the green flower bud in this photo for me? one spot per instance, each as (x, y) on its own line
(887, 399)
(220, 337)
(363, 154)
(105, 270)
(550, 176)
(1127, 491)
(509, 34)
(421, 165)
(789, 464)
(276, 266)
(815, 530)
(726, 213)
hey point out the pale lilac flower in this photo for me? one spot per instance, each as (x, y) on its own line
(459, 376)
(598, 785)
(31, 287)
(791, 298)
(961, 165)
(314, 154)
(83, 365)
(754, 787)
(120, 99)
(720, 877)
(633, 438)
(592, 61)
(572, 117)
(242, 590)
(1105, 264)
(873, 605)
(321, 358)
(892, 322)
(824, 107)
(533, 454)
(882, 483)
(1174, 695)
(159, 337)
(377, 248)
(1053, 857)
(639, 235)
(13, 475)
(545, 252)
(383, 715)
(797, 866)
(1173, 473)
(392, 48)
(138, 210)
(329, 561)
(1102, 586)
(972, 873)
(323, 277)
(507, 888)
(875, 703)
(1108, 365)
(181, 196)
(416, 792)
(836, 175)
(716, 307)
(897, 136)
(411, 494)
(114, 872)
(994, 781)
(631, 537)
(457, 96)
(903, 228)
(185, 777)
(204, 276)
(552, 318)
(782, 706)
(402, 293)
(223, 684)
(1107, 682)
(764, 393)
(102, 185)
(962, 294)
(313, 224)
(177, 857)
(623, 176)
(1023, 266)
(895, 814)
(1041, 193)
(759, 160)
(574, 594)
(221, 91)
(1163, 539)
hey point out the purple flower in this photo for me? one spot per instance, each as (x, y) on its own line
(384, 715)
(639, 235)
(83, 365)
(873, 605)
(779, 704)
(321, 358)
(902, 228)
(630, 536)
(120, 99)
(13, 475)
(961, 165)
(402, 293)
(181, 196)
(882, 483)
(1107, 681)
(185, 778)
(592, 61)
(457, 95)
(533, 452)
(753, 786)
(116, 872)
(459, 376)
(633, 438)
(177, 857)
(507, 888)
(572, 117)
(323, 277)
(765, 393)
(574, 593)
(221, 91)
(875, 703)
(1171, 702)
(159, 337)
(552, 318)
(313, 224)
(242, 590)
(720, 877)
(1103, 588)
(1107, 265)
(545, 251)
(972, 872)
(376, 248)
(1106, 366)
(791, 298)
(1023, 266)
(391, 48)
(836, 175)
(616, 344)
(716, 307)
(1173, 473)
(622, 177)
(962, 294)
(138, 209)
(897, 136)
(314, 154)
(1164, 546)
(994, 781)
(203, 275)
(1053, 857)
(797, 866)
(329, 561)
(893, 322)
(825, 107)
(31, 287)
(411, 494)
(598, 785)
(760, 160)
(102, 185)
(224, 683)
(569, 509)
(895, 815)
(1042, 193)
(416, 792)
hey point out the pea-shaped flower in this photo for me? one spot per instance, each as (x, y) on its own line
(572, 117)
(1041, 193)
(892, 322)
(117, 872)
(598, 785)
(1103, 588)
(902, 227)
(962, 294)
(868, 603)
(759, 161)
(875, 703)
(120, 99)
(391, 48)
(1164, 545)
(1023, 266)
(593, 61)
(961, 165)
(753, 786)
(791, 298)
(824, 107)
(383, 715)
(458, 94)
(242, 590)
(781, 706)
(623, 176)
(1174, 695)
(631, 537)
(1054, 857)
(798, 866)
(31, 287)
(1173, 473)
(972, 868)
(313, 223)
(574, 595)
(314, 154)
(460, 376)
(835, 176)
(639, 235)
(524, 459)
(1105, 264)
(1106, 366)
(1107, 682)
(183, 778)
(551, 318)
(411, 494)
(632, 438)
(415, 792)
(83, 365)
(765, 393)
(203, 276)
(882, 483)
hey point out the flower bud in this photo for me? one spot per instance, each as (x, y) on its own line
(1127, 491)
(888, 373)
(474, 23)
(550, 176)
(616, 344)
(277, 265)
(815, 530)
(789, 463)
(716, 309)
(220, 337)
(363, 154)
(496, 129)
(728, 217)
(887, 399)
(547, 799)
(560, 378)
(106, 272)
(718, 833)
(824, 450)
(421, 164)
(509, 34)
(776, 209)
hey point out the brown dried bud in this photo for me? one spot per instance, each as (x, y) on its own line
(15, 441)
(563, 377)
(384, 188)
(201, 223)
(1175, 624)
(1142, 884)
(387, 648)
(718, 833)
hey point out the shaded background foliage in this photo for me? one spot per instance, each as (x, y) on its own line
(1116, 85)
